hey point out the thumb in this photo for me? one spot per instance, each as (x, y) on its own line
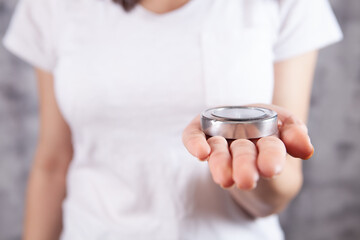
(295, 136)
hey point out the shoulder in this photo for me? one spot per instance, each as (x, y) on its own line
(303, 5)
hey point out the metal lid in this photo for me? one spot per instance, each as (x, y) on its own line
(235, 122)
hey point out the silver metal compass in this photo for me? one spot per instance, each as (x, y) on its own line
(235, 122)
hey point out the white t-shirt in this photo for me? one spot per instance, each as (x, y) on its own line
(129, 83)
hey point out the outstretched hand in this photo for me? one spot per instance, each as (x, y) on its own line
(242, 162)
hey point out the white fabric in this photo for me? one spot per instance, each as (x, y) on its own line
(128, 84)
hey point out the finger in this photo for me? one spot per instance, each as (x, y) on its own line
(294, 134)
(271, 156)
(220, 162)
(195, 140)
(245, 173)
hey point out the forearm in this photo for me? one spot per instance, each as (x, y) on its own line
(272, 195)
(45, 193)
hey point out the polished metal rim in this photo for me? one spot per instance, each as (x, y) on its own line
(239, 122)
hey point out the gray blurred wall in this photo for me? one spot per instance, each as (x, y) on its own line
(328, 207)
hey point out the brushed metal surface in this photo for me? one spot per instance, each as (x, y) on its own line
(239, 122)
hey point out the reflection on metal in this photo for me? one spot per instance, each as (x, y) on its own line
(235, 122)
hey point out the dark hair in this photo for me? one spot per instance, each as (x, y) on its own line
(127, 4)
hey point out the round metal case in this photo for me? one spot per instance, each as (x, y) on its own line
(235, 122)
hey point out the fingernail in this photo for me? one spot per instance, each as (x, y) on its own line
(226, 187)
(203, 159)
(311, 154)
(271, 178)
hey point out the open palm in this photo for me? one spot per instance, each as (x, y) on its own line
(242, 162)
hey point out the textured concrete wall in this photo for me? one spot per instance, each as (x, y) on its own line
(18, 131)
(328, 207)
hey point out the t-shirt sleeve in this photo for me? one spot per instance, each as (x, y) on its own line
(30, 35)
(305, 25)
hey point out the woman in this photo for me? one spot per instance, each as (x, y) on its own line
(119, 84)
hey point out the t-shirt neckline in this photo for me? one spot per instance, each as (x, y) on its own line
(178, 11)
